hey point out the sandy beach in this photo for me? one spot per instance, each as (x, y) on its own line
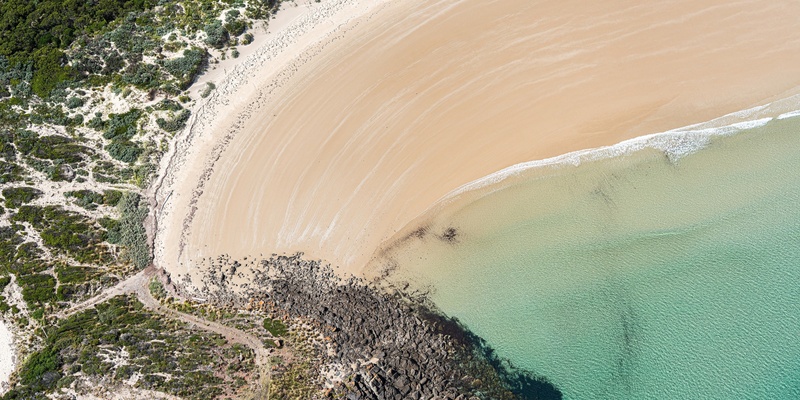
(6, 356)
(352, 118)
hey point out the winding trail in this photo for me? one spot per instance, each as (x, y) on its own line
(139, 285)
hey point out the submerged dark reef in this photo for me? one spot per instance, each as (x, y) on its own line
(388, 344)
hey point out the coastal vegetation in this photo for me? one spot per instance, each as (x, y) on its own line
(120, 340)
(90, 94)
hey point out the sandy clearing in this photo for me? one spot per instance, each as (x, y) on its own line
(345, 142)
(7, 358)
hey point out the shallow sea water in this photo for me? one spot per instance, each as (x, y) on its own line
(635, 277)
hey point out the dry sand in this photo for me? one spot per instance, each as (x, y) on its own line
(7, 356)
(333, 145)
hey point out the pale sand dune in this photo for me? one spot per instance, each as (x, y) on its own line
(366, 133)
(7, 358)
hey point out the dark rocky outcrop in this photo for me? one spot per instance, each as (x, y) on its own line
(400, 347)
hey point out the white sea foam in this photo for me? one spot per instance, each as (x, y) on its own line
(789, 114)
(675, 143)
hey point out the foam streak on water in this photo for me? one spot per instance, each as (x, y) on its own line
(669, 271)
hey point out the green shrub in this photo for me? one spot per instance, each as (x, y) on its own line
(111, 197)
(276, 327)
(168, 105)
(175, 124)
(187, 68)
(216, 34)
(210, 86)
(124, 150)
(49, 71)
(38, 365)
(131, 229)
(37, 289)
(10, 172)
(157, 289)
(87, 199)
(17, 196)
(75, 102)
(122, 126)
(142, 75)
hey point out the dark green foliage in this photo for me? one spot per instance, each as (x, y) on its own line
(87, 199)
(131, 229)
(49, 114)
(233, 24)
(168, 105)
(10, 172)
(111, 197)
(17, 196)
(69, 274)
(276, 327)
(38, 366)
(107, 172)
(121, 126)
(38, 289)
(175, 124)
(262, 9)
(124, 150)
(187, 68)
(65, 232)
(216, 34)
(75, 102)
(50, 70)
(53, 147)
(26, 26)
(4, 281)
(248, 38)
(142, 75)
(155, 345)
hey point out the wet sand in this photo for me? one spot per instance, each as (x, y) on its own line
(363, 134)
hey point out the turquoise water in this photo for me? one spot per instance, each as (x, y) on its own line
(635, 277)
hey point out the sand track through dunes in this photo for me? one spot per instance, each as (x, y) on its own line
(377, 118)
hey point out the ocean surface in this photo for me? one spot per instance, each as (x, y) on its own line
(670, 270)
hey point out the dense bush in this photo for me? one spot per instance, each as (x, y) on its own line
(17, 196)
(75, 102)
(53, 147)
(216, 34)
(38, 289)
(124, 150)
(142, 75)
(187, 68)
(65, 232)
(10, 172)
(156, 345)
(87, 199)
(121, 126)
(175, 124)
(26, 26)
(168, 105)
(275, 327)
(131, 229)
(38, 365)
(49, 70)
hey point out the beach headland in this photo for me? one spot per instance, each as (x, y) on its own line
(358, 116)
(369, 343)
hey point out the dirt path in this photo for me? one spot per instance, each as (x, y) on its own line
(139, 285)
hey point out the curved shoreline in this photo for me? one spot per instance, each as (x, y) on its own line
(289, 167)
(675, 143)
(276, 57)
